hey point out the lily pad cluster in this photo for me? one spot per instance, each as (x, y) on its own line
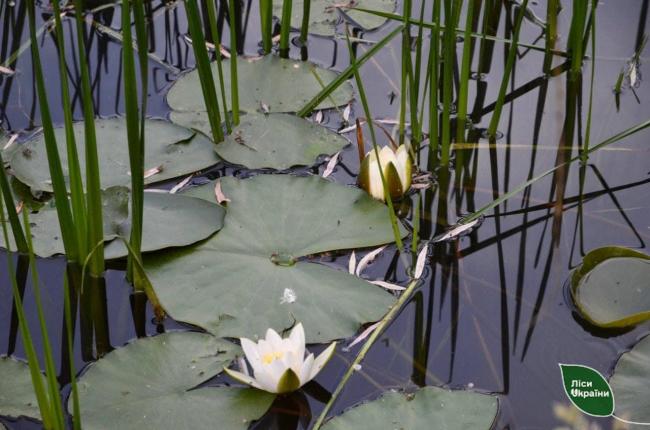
(630, 385)
(17, 398)
(611, 289)
(266, 136)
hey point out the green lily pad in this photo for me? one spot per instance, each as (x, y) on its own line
(276, 141)
(152, 383)
(170, 220)
(611, 289)
(17, 398)
(630, 385)
(280, 84)
(324, 15)
(429, 407)
(254, 274)
(176, 150)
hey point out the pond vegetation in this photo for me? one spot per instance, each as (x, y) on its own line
(307, 214)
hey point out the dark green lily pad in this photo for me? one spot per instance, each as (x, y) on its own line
(170, 220)
(282, 85)
(276, 141)
(177, 150)
(17, 397)
(254, 274)
(611, 288)
(152, 384)
(630, 385)
(429, 407)
(324, 15)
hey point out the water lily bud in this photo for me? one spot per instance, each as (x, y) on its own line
(279, 365)
(396, 167)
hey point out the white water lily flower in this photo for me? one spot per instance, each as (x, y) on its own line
(396, 167)
(279, 365)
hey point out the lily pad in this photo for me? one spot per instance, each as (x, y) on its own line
(170, 220)
(17, 398)
(152, 383)
(176, 151)
(276, 141)
(429, 407)
(280, 84)
(324, 15)
(630, 385)
(611, 289)
(236, 283)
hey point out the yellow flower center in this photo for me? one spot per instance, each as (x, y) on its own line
(272, 356)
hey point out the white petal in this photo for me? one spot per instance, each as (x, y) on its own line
(403, 166)
(305, 371)
(297, 338)
(274, 339)
(374, 181)
(244, 379)
(252, 353)
(322, 360)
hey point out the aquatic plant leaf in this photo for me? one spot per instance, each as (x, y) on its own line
(587, 389)
(611, 289)
(281, 84)
(449, 410)
(324, 15)
(630, 385)
(232, 284)
(17, 398)
(276, 141)
(170, 220)
(177, 150)
(152, 383)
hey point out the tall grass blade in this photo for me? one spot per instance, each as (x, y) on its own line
(214, 30)
(461, 115)
(510, 63)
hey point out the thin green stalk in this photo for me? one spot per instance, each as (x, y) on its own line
(50, 369)
(576, 34)
(214, 30)
(266, 24)
(381, 327)
(625, 133)
(74, 169)
(510, 63)
(345, 74)
(234, 86)
(585, 148)
(74, 391)
(434, 67)
(47, 414)
(452, 12)
(406, 61)
(285, 30)
(66, 223)
(414, 92)
(16, 227)
(461, 116)
(304, 29)
(93, 185)
(205, 73)
(366, 109)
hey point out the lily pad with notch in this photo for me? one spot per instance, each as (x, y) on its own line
(156, 382)
(630, 385)
(275, 141)
(172, 150)
(324, 15)
(449, 410)
(610, 288)
(17, 398)
(278, 84)
(170, 220)
(235, 283)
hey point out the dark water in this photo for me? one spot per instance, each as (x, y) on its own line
(492, 312)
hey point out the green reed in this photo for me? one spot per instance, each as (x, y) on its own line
(304, 28)
(266, 24)
(214, 30)
(234, 87)
(461, 111)
(205, 72)
(285, 29)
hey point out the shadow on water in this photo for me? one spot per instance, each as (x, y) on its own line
(491, 313)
